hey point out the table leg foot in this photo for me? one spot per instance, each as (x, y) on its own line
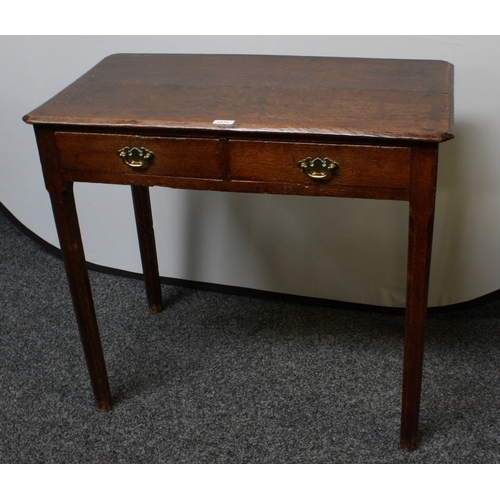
(104, 406)
(409, 445)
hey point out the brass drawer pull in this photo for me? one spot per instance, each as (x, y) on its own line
(135, 157)
(318, 168)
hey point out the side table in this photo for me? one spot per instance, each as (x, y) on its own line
(314, 126)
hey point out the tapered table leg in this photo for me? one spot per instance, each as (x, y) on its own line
(147, 245)
(422, 202)
(65, 216)
(74, 260)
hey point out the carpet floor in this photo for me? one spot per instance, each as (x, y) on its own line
(220, 378)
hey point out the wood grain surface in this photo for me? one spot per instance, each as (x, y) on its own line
(384, 98)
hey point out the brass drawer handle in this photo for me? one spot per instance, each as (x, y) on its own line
(318, 168)
(135, 157)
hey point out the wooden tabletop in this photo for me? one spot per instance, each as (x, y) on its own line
(338, 97)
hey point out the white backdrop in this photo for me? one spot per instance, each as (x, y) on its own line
(349, 250)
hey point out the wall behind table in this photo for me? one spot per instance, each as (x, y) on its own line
(349, 250)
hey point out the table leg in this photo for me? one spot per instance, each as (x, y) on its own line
(145, 232)
(65, 216)
(422, 196)
(68, 229)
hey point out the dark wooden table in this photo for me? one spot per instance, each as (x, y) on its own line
(361, 128)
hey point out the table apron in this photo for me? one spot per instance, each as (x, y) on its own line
(237, 165)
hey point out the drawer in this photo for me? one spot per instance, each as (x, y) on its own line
(171, 157)
(356, 165)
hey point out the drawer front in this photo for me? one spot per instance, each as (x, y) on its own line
(354, 165)
(171, 157)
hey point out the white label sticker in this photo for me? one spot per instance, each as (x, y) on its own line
(223, 122)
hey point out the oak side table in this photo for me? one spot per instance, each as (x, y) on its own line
(314, 126)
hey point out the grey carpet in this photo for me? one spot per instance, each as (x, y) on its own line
(218, 378)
